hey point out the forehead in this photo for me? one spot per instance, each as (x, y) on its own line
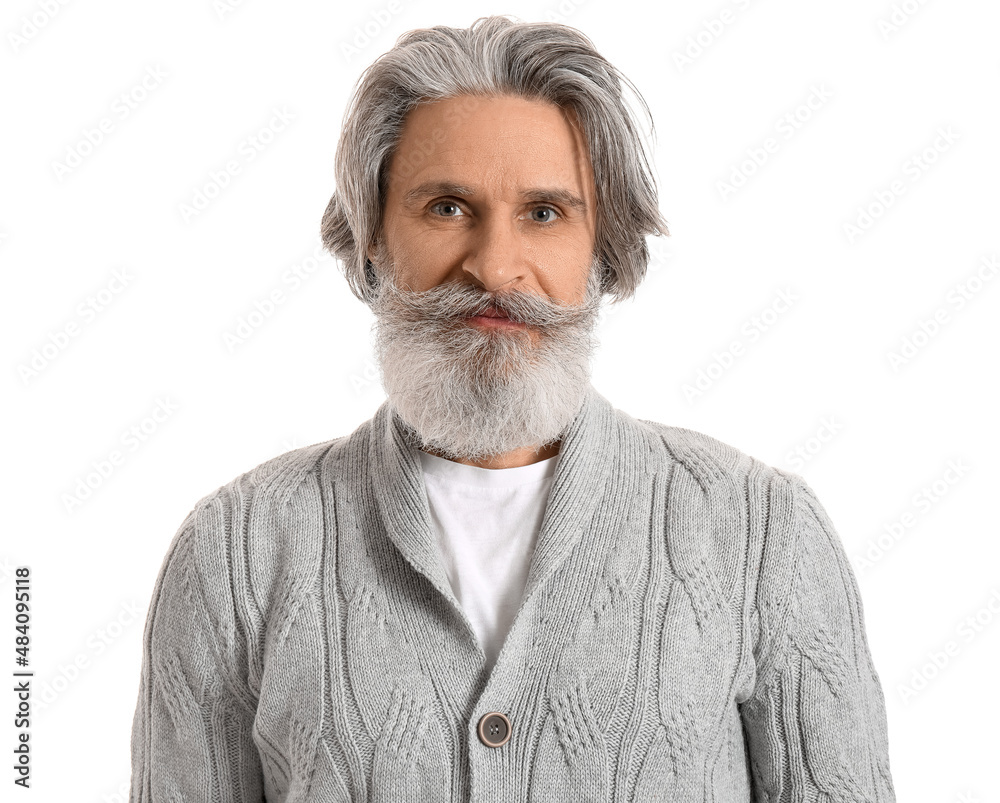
(503, 143)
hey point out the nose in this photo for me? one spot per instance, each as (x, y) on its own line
(495, 258)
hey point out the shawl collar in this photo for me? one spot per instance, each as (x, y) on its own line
(586, 454)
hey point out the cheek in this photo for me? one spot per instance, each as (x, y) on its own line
(421, 265)
(564, 277)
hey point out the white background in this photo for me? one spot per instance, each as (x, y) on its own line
(816, 376)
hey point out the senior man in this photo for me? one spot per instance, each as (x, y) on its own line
(501, 587)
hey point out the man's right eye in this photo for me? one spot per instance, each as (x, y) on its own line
(448, 205)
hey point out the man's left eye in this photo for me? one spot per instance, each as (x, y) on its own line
(545, 210)
(442, 205)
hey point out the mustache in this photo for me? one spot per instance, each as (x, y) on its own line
(450, 302)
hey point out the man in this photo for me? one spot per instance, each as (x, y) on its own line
(501, 588)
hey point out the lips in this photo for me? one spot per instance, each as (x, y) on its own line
(491, 312)
(492, 319)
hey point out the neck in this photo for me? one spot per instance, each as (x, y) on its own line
(514, 459)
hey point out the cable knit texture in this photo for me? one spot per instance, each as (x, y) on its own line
(691, 630)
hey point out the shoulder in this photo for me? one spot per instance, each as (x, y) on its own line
(758, 511)
(710, 461)
(288, 480)
(277, 479)
(767, 526)
(777, 502)
(263, 530)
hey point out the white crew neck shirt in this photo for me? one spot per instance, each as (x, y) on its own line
(487, 523)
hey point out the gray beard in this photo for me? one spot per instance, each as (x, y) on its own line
(468, 393)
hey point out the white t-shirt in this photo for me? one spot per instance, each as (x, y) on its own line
(487, 523)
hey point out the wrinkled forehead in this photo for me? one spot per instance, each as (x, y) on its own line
(506, 143)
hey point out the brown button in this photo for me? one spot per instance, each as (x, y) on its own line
(494, 729)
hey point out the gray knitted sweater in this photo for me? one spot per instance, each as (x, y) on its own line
(691, 630)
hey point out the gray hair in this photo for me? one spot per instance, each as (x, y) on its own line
(495, 56)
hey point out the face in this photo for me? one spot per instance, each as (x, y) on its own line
(493, 192)
(489, 291)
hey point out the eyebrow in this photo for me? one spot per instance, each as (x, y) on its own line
(430, 189)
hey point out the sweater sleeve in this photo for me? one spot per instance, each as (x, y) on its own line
(815, 724)
(192, 728)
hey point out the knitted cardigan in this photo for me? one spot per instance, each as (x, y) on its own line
(691, 630)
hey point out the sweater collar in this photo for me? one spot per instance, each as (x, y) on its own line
(588, 450)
